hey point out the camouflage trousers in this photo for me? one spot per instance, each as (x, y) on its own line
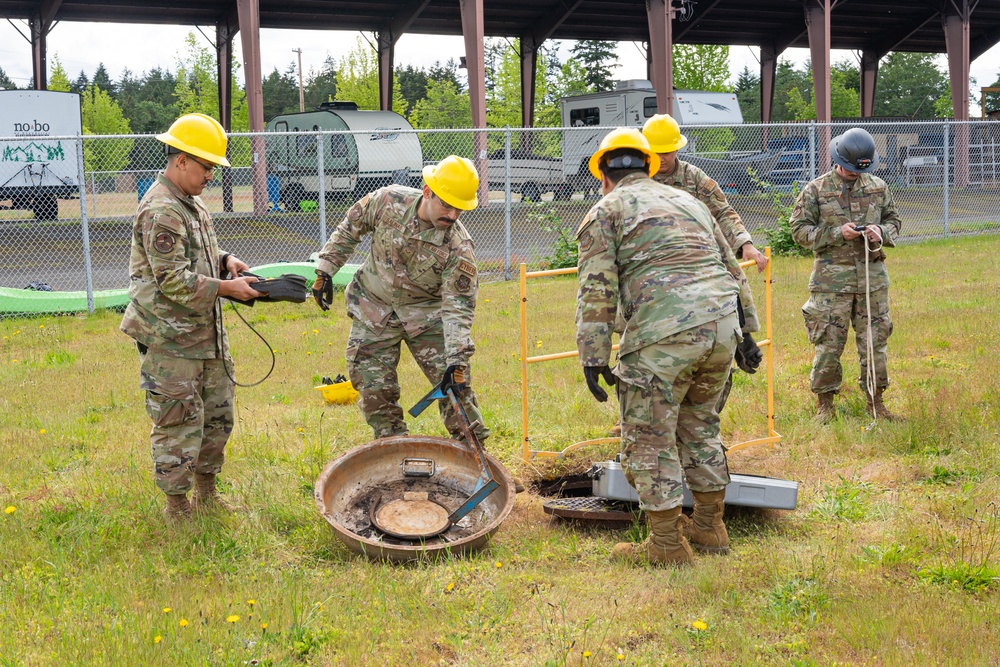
(668, 393)
(827, 316)
(191, 404)
(371, 362)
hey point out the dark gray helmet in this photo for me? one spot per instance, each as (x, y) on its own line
(854, 150)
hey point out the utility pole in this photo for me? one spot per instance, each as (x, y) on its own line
(302, 97)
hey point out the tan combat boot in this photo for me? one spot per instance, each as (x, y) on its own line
(666, 544)
(706, 531)
(616, 430)
(178, 508)
(880, 410)
(206, 497)
(824, 407)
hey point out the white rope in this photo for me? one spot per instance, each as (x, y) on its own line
(870, 342)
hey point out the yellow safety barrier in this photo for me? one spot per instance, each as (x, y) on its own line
(766, 344)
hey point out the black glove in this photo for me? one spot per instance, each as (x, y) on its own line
(323, 289)
(454, 379)
(592, 373)
(748, 355)
(287, 287)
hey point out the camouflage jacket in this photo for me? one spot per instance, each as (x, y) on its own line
(826, 204)
(174, 274)
(691, 179)
(415, 271)
(729, 230)
(653, 251)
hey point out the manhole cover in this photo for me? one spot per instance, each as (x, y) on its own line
(413, 517)
(592, 508)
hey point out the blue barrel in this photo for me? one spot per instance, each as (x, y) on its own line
(273, 191)
(142, 186)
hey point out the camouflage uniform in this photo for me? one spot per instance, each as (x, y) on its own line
(652, 250)
(837, 286)
(729, 226)
(418, 285)
(174, 315)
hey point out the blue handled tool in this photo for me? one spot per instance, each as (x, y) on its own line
(485, 485)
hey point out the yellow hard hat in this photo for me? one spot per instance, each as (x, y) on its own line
(455, 181)
(664, 134)
(624, 137)
(198, 135)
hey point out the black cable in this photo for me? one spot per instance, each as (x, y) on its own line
(269, 349)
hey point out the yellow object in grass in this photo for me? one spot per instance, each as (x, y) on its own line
(341, 393)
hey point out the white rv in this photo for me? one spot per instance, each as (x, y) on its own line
(380, 149)
(38, 164)
(630, 105)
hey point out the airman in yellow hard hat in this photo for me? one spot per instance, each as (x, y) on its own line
(418, 285)
(178, 273)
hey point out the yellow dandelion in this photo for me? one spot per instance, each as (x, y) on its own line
(251, 602)
(308, 352)
(330, 344)
(316, 331)
(700, 625)
(167, 610)
(13, 361)
(305, 333)
(17, 332)
(499, 564)
(587, 654)
(157, 639)
(486, 300)
(232, 619)
(42, 431)
(450, 587)
(263, 626)
(183, 623)
(319, 605)
(10, 509)
(301, 429)
(41, 326)
(274, 351)
(620, 656)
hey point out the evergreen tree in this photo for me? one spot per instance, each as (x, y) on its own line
(281, 92)
(80, 84)
(322, 85)
(747, 91)
(103, 81)
(5, 81)
(412, 84)
(197, 87)
(599, 59)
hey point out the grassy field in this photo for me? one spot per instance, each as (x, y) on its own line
(892, 557)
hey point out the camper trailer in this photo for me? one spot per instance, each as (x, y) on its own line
(630, 104)
(380, 149)
(38, 165)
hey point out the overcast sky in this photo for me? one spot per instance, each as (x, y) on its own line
(83, 46)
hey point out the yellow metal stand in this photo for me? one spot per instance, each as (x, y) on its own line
(527, 452)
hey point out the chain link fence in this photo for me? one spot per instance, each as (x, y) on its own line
(67, 203)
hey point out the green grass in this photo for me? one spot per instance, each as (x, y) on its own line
(892, 557)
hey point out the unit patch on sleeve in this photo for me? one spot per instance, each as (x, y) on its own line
(463, 284)
(164, 242)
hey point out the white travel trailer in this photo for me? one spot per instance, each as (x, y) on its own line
(38, 165)
(381, 149)
(630, 105)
